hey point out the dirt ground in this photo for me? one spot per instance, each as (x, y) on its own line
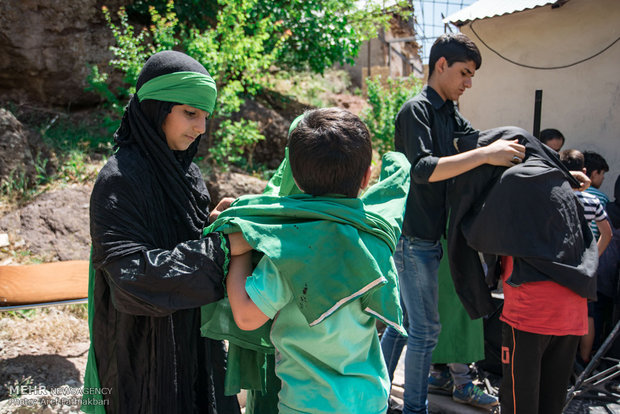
(43, 355)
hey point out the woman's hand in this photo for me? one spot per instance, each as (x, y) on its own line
(221, 206)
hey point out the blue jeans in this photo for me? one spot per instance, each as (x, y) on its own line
(417, 262)
(392, 344)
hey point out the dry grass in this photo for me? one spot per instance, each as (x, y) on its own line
(50, 328)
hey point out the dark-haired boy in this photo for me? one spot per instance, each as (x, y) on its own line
(426, 128)
(552, 138)
(594, 212)
(596, 166)
(327, 270)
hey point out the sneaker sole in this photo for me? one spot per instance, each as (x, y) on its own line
(473, 404)
(439, 391)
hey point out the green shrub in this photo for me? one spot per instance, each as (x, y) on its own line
(131, 52)
(16, 186)
(93, 135)
(235, 143)
(385, 100)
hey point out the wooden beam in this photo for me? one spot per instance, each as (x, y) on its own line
(47, 282)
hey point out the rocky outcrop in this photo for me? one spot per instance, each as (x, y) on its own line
(232, 184)
(46, 47)
(16, 160)
(20, 150)
(54, 225)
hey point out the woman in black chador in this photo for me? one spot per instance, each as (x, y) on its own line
(152, 269)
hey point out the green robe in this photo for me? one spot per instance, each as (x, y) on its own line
(271, 224)
(461, 338)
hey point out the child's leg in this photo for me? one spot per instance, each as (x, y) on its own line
(460, 373)
(556, 368)
(603, 310)
(521, 363)
(586, 342)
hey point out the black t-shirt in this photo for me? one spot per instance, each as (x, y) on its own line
(426, 127)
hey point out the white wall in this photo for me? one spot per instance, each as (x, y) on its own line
(582, 101)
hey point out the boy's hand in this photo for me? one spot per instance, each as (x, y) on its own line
(221, 206)
(504, 153)
(238, 245)
(583, 179)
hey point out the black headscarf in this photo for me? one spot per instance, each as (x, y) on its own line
(142, 126)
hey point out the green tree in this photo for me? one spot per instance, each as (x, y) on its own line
(234, 52)
(317, 33)
(325, 32)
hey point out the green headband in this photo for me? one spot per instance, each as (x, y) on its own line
(294, 124)
(189, 88)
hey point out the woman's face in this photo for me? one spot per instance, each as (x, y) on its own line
(183, 125)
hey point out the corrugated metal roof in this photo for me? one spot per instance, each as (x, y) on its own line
(483, 9)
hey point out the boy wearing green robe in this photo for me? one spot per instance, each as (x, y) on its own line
(326, 270)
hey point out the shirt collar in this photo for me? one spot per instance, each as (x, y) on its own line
(438, 103)
(433, 97)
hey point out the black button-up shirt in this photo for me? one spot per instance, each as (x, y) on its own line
(426, 127)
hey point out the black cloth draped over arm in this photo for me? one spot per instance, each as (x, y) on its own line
(527, 211)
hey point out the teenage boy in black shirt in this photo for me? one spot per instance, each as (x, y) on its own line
(426, 127)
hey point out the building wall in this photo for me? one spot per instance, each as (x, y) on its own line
(358, 71)
(582, 101)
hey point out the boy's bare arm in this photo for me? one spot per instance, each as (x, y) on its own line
(246, 314)
(605, 229)
(238, 245)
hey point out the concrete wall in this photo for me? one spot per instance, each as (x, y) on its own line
(582, 101)
(358, 71)
(379, 63)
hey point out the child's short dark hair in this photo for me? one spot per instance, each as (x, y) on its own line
(572, 159)
(455, 47)
(330, 151)
(548, 134)
(594, 161)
